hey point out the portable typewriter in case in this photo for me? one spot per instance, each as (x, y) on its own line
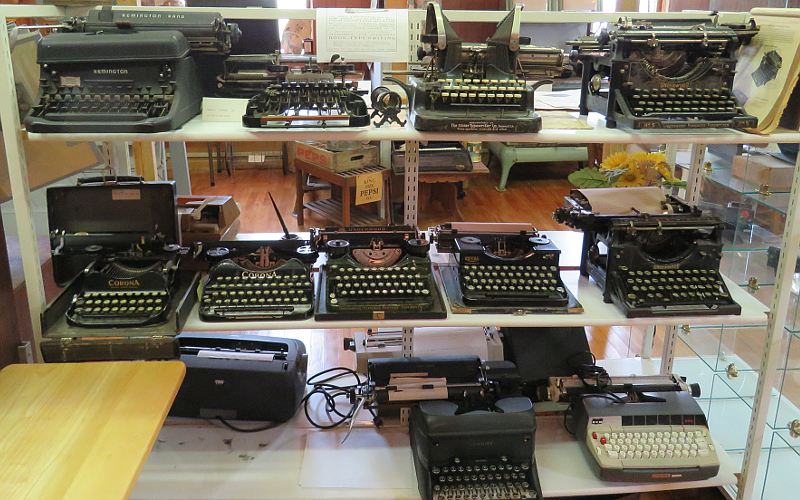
(640, 428)
(115, 82)
(481, 453)
(258, 280)
(115, 248)
(502, 267)
(376, 273)
(664, 73)
(471, 87)
(651, 255)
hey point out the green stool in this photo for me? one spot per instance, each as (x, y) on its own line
(512, 153)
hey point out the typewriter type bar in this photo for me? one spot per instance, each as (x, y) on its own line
(307, 104)
(115, 82)
(664, 74)
(499, 266)
(376, 273)
(205, 31)
(263, 280)
(652, 264)
(473, 87)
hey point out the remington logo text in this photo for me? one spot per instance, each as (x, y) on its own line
(255, 275)
(129, 283)
(152, 15)
(110, 71)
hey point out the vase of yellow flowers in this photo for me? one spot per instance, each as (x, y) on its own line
(625, 169)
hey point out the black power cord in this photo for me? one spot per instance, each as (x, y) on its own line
(594, 378)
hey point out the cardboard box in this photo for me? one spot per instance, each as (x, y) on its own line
(762, 169)
(207, 218)
(338, 161)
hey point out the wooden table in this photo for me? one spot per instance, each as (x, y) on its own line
(442, 187)
(81, 430)
(340, 212)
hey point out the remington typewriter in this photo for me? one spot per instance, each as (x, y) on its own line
(206, 32)
(501, 266)
(435, 156)
(320, 103)
(651, 255)
(376, 273)
(137, 81)
(664, 73)
(471, 87)
(115, 248)
(645, 428)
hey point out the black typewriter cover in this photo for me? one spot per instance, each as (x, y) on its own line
(59, 48)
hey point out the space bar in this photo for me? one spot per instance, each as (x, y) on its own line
(95, 117)
(512, 295)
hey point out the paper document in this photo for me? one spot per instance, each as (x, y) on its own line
(363, 34)
(625, 201)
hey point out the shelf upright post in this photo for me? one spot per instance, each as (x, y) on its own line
(20, 190)
(694, 182)
(790, 243)
(668, 350)
(411, 184)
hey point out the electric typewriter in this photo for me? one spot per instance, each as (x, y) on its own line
(116, 249)
(376, 273)
(639, 428)
(664, 73)
(471, 87)
(507, 266)
(256, 280)
(651, 255)
(115, 82)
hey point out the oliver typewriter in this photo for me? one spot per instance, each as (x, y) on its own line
(258, 280)
(471, 87)
(376, 273)
(652, 256)
(115, 82)
(504, 265)
(664, 73)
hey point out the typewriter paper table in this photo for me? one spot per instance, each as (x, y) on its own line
(81, 430)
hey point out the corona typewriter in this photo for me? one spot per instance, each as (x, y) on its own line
(115, 248)
(640, 428)
(503, 266)
(137, 81)
(256, 280)
(471, 87)
(664, 73)
(376, 273)
(651, 255)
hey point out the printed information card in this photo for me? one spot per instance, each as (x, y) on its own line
(363, 35)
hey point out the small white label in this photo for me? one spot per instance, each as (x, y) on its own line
(126, 194)
(70, 81)
(218, 109)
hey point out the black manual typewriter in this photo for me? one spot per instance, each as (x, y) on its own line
(664, 73)
(435, 156)
(116, 249)
(502, 266)
(656, 256)
(376, 273)
(471, 87)
(115, 82)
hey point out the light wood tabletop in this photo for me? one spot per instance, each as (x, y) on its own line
(81, 430)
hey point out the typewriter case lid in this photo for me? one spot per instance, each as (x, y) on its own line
(124, 208)
(113, 47)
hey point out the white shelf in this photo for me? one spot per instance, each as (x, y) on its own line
(198, 130)
(595, 313)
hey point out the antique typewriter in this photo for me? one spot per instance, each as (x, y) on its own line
(435, 156)
(504, 265)
(664, 73)
(253, 280)
(376, 273)
(639, 428)
(115, 82)
(471, 87)
(651, 255)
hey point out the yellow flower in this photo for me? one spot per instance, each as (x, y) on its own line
(616, 161)
(633, 177)
(664, 169)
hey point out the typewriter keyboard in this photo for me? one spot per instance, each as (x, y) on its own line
(691, 291)
(402, 287)
(118, 103)
(128, 308)
(499, 284)
(495, 93)
(501, 479)
(233, 292)
(681, 101)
